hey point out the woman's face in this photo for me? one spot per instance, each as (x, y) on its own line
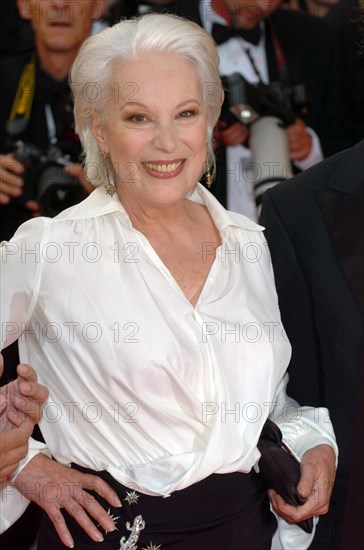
(155, 129)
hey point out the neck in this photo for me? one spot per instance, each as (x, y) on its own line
(147, 217)
(56, 64)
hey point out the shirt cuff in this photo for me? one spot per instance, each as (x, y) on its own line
(313, 428)
(35, 447)
(314, 156)
(13, 503)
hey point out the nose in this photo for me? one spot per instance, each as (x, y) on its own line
(60, 10)
(57, 6)
(165, 138)
(60, 6)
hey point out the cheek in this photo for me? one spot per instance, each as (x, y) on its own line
(128, 145)
(199, 148)
(126, 150)
(200, 140)
(127, 172)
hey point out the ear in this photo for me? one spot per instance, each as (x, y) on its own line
(98, 132)
(24, 9)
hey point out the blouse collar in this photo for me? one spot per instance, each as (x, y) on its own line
(98, 203)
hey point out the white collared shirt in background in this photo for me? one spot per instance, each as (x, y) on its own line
(233, 58)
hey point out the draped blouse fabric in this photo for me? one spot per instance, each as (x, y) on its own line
(142, 384)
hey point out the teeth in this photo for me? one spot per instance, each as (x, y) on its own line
(163, 167)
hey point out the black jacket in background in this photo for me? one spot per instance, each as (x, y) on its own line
(315, 232)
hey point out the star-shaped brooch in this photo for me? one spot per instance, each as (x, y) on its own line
(152, 547)
(131, 497)
(114, 518)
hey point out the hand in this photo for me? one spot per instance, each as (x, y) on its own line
(13, 448)
(299, 140)
(32, 394)
(232, 135)
(76, 171)
(21, 399)
(11, 182)
(316, 483)
(20, 409)
(53, 486)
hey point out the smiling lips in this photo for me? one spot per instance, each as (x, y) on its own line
(160, 169)
(60, 24)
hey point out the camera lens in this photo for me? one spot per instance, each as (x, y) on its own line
(58, 190)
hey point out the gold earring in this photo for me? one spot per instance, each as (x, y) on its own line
(109, 187)
(208, 178)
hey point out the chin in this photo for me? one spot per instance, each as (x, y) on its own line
(167, 196)
(60, 44)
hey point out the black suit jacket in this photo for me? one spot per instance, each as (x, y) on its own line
(315, 231)
(315, 57)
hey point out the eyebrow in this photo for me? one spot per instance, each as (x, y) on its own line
(140, 105)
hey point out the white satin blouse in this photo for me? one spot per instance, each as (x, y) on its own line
(142, 384)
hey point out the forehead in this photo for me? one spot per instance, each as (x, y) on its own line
(49, 9)
(154, 76)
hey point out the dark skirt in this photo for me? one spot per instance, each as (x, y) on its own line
(221, 512)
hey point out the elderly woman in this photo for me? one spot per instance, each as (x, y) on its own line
(150, 313)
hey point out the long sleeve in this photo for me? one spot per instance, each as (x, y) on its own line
(303, 427)
(19, 260)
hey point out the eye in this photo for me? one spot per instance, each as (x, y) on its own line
(188, 113)
(137, 117)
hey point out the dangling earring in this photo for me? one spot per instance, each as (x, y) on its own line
(110, 188)
(208, 178)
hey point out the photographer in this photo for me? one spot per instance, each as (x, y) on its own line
(284, 46)
(36, 109)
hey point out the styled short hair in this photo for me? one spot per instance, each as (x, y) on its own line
(131, 39)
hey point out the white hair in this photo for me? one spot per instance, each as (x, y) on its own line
(92, 72)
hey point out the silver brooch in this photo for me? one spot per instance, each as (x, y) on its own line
(114, 518)
(130, 544)
(131, 497)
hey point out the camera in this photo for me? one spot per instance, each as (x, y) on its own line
(45, 179)
(268, 109)
(247, 102)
